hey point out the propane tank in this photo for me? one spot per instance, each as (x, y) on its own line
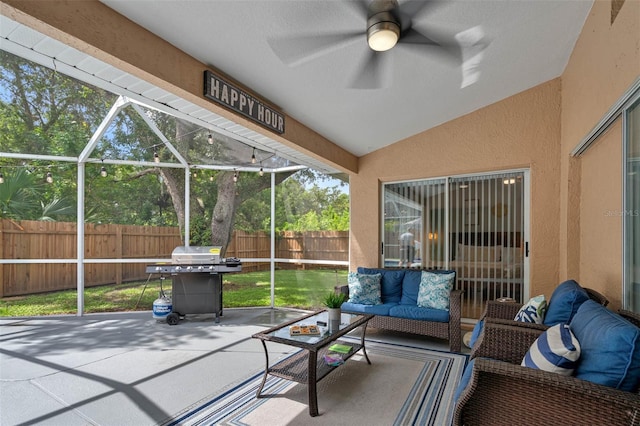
(162, 307)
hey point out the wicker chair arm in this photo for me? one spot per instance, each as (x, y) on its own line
(500, 393)
(501, 310)
(341, 289)
(505, 342)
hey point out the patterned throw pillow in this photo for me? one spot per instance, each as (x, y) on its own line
(435, 290)
(364, 289)
(533, 310)
(556, 350)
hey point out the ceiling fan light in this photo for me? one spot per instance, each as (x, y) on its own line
(382, 36)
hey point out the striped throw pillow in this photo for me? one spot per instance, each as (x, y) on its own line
(556, 350)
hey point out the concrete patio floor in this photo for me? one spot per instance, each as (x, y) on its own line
(128, 368)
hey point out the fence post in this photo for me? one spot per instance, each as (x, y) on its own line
(1, 257)
(119, 254)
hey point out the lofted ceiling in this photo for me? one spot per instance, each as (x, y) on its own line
(482, 51)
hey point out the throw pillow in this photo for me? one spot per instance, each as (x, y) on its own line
(556, 350)
(564, 302)
(533, 310)
(610, 347)
(435, 290)
(364, 289)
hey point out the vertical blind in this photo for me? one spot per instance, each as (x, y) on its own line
(473, 224)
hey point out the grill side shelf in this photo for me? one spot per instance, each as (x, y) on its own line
(294, 367)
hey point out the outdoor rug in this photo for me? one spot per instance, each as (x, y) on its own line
(402, 386)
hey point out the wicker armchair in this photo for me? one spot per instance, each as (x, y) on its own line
(504, 312)
(501, 392)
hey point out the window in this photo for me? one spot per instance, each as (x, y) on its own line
(632, 207)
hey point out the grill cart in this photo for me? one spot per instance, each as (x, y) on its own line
(196, 280)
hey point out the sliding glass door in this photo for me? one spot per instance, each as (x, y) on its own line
(476, 225)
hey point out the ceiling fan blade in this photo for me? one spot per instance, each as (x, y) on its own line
(441, 44)
(295, 51)
(360, 7)
(374, 72)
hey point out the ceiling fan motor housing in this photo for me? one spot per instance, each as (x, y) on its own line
(383, 31)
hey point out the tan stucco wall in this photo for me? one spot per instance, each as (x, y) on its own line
(604, 64)
(522, 131)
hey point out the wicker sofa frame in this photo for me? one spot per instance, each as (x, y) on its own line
(442, 330)
(505, 393)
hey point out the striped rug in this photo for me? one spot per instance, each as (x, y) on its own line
(402, 386)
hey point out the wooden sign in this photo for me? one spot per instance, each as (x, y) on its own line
(226, 94)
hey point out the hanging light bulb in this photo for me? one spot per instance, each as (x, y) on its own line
(261, 171)
(253, 156)
(195, 173)
(156, 157)
(235, 176)
(49, 178)
(211, 178)
(1, 178)
(210, 139)
(103, 171)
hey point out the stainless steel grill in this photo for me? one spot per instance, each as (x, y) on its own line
(196, 278)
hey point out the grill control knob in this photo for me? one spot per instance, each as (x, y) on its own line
(158, 268)
(211, 268)
(178, 268)
(200, 268)
(188, 268)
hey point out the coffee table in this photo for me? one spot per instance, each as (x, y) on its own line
(308, 365)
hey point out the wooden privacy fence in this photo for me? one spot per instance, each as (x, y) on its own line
(58, 240)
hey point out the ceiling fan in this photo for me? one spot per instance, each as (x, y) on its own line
(385, 24)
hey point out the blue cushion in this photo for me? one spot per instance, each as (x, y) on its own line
(410, 287)
(556, 351)
(364, 288)
(435, 290)
(610, 347)
(368, 309)
(390, 284)
(477, 330)
(564, 303)
(464, 380)
(417, 313)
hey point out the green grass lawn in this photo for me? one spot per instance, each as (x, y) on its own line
(293, 288)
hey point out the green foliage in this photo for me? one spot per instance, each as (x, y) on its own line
(334, 300)
(200, 231)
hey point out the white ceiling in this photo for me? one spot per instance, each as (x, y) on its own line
(521, 43)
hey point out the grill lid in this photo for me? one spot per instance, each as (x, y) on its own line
(198, 255)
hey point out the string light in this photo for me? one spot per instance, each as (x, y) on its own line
(156, 157)
(1, 177)
(235, 176)
(211, 178)
(210, 139)
(195, 173)
(253, 156)
(49, 177)
(261, 171)
(103, 171)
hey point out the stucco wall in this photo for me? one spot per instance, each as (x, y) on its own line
(604, 64)
(522, 131)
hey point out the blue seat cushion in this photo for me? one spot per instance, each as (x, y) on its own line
(477, 330)
(390, 284)
(416, 313)
(382, 309)
(411, 287)
(564, 303)
(464, 380)
(610, 347)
